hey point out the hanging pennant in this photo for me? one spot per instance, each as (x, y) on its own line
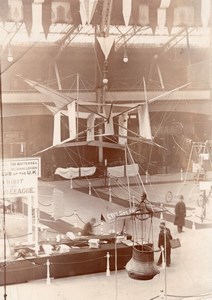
(27, 15)
(46, 16)
(91, 10)
(16, 10)
(4, 10)
(184, 15)
(161, 17)
(153, 9)
(116, 17)
(106, 44)
(83, 12)
(165, 3)
(60, 12)
(161, 13)
(126, 10)
(37, 27)
(75, 11)
(143, 14)
(205, 12)
(87, 9)
(170, 16)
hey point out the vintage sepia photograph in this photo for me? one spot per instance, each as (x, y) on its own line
(106, 149)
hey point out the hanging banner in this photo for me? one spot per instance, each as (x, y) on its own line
(184, 15)
(87, 9)
(165, 3)
(126, 10)
(61, 12)
(15, 10)
(205, 12)
(27, 15)
(143, 15)
(83, 12)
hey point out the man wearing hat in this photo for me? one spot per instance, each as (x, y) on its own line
(164, 243)
(180, 214)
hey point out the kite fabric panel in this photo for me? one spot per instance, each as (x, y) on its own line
(71, 172)
(122, 171)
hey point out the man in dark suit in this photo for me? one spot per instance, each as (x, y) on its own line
(180, 214)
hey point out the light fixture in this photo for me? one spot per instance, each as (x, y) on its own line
(105, 80)
(105, 71)
(9, 55)
(125, 58)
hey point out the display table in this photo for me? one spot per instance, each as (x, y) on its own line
(77, 261)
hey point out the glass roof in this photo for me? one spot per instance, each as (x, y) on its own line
(16, 34)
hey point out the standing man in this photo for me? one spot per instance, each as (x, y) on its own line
(164, 244)
(180, 214)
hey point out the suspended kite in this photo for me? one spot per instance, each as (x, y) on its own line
(75, 110)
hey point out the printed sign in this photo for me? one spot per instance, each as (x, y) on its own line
(21, 166)
(19, 177)
(111, 216)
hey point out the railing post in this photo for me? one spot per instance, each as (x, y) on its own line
(48, 281)
(108, 264)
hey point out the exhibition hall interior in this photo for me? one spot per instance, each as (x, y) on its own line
(106, 149)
